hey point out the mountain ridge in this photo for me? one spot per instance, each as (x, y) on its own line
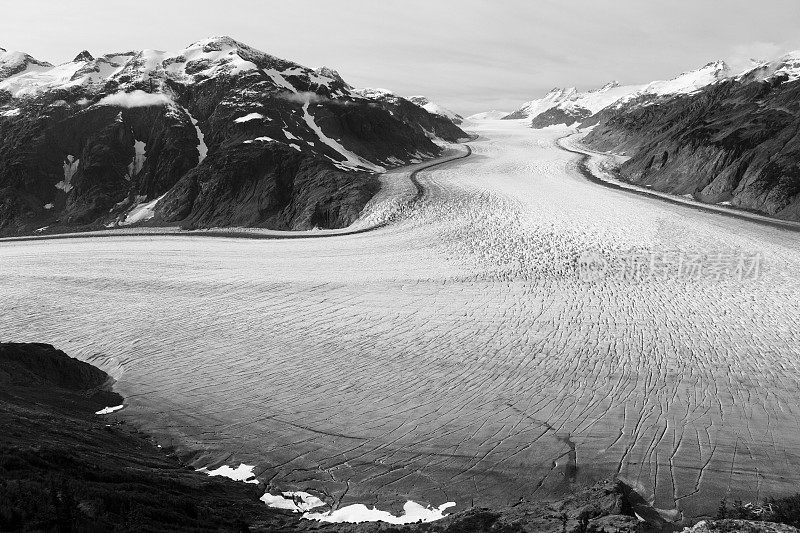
(94, 141)
(733, 141)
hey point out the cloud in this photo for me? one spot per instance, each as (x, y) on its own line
(310, 98)
(742, 56)
(135, 99)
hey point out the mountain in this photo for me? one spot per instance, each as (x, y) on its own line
(580, 106)
(12, 63)
(568, 106)
(436, 109)
(723, 138)
(494, 114)
(433, 124)
(535, 107)
(215, 134)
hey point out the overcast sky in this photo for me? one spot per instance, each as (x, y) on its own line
(469, 55)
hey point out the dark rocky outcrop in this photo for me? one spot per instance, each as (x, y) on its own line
(736, 142)
(739, 526)
(560, 115)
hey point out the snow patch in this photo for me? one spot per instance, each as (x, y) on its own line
(248, 118)
(141, 212)
(139, 158)
(108, 410)
(298, 501)
(279, 80)
(202, 149)
(48, 206)
(260, 139)
(70, 168)
(241, 473)
(10, 113)
(412, 512)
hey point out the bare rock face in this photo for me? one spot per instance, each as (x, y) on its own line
(734, 142)
(88, 143)
(560, 115)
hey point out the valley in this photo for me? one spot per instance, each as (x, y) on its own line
(454, 353)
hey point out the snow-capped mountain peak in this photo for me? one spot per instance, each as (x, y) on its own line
(436, 109)
(23, 76)
(788, 65)
(13, 63)
(534, 108)
(170, 123)
(374, 93)
(607, 87)
(690, 81)
(331, 74)
(83, 56)
(561, 92)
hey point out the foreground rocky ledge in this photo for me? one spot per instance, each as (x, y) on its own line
(62, 467)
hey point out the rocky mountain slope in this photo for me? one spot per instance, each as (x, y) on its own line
(733, 141)
(215, 134)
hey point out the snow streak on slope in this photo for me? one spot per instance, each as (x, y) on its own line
(453, 354)
(352, 161)
(70, 166)
(141, 212)
(139, 158)
(202, 149)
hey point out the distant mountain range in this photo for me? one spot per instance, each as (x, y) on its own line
(215, 134)
(568, 106)
(720, 136)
